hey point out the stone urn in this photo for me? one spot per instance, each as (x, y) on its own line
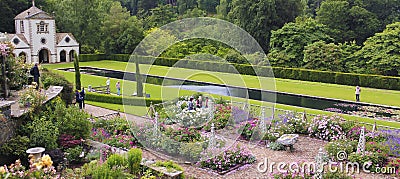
(36, 152)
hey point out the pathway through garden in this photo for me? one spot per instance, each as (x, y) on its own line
(304, 150)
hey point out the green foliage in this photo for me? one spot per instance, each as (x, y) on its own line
(115, 160)
(121, 32)
(169, 164)
(374, 159)
(17, 73)
(134, 159)
(276, 146)
(139, 81)
(73, 154)
(77, 72)
(119, 100)
(348, 21)
(53, 79)
(323, 56)
(288, 43)
(69, 120)
(160, 16)
(191, 150)
(334, 148)
(43, 133)
(15, 146)
(104, 172)
(380, 52)
(260, 17)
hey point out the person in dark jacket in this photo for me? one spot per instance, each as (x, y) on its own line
(83, 93)
(78, 98)
(36, 74)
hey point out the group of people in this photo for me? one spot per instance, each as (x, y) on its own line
(199, 103)
(117, 86)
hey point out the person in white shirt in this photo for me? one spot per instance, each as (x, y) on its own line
(358, 92)
(108, 85)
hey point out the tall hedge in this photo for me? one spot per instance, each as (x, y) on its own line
(365, 80)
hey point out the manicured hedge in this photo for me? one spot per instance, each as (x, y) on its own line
(113, 99)
(365, 80)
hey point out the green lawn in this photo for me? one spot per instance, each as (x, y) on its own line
(157, 91)
(370, 95)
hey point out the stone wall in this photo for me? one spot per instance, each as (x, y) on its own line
(7, 124)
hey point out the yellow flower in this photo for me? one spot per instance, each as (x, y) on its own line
(2, 170)
(46, 159)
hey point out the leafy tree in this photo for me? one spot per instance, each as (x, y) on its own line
(348, 57)
(196, 12)
(147, 4)
(381, 51)
(287, 43)
(184, 5)
(131, 5)
(121, 32)
(83, 18)
(208, 5)
(160, 16)
(323, 56)
(139, 81)
(223, 8)
(157, 41)
(387, 11)
(348, 21)
(77, 72)
(259, 17)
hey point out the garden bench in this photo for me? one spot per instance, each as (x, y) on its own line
(288, 140)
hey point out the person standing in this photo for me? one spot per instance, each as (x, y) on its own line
(191, 105)
(82, 96)
(358, 92)
(78, 98)
(36, 74)
(118, 86)
(108, 85)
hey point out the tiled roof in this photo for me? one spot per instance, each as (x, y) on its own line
(60, 36)
(32, 11)
(20, 36)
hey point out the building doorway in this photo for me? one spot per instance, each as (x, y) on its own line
(63, 56)
(72, 55)
(44, 56)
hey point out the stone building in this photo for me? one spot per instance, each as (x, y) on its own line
(37, 40)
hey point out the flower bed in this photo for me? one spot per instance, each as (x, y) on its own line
(326, 128)
(229, 160)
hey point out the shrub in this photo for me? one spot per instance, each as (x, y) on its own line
(116, 160)
(68, 141)
(43, 133)
(333, 148)
(191, 151)
(104, 98)
(276, 146)
(69, 120)
(326, 128)
(354, 134)
(74, 154)
(134, 159)
(15, 146)
(372, 160)
(52, 79)
(103, 172)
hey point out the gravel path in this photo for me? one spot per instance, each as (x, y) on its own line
(304, 150)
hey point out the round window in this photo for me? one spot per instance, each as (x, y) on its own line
(43, 40)
(16, 41)
(67, 39)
